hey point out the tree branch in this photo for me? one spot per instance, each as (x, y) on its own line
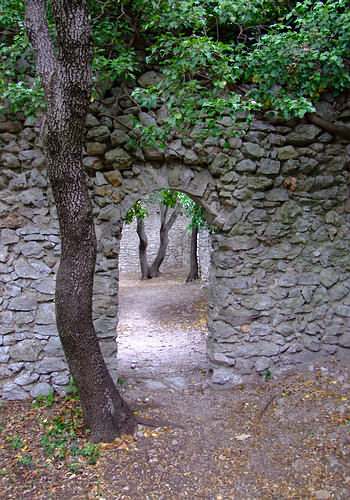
(173, 217)
(39, 36)
(340, 130)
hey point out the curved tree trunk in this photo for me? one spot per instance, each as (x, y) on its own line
(143, 242)
(165, 227)
(66, 79)
(194, 269)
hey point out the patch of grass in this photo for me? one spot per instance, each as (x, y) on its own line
(90, 451)
(15, 442)
(44, 401)
(25, 459)
(267, 375)
(64, 441)
(121, 381)
(72, 390)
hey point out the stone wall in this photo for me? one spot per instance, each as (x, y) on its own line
(278, 196)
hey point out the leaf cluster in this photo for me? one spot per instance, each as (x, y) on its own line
(216, 57)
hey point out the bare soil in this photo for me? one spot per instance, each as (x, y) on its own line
(162, 327)
(286, 438)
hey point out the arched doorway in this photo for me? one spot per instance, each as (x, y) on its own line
(162, 326)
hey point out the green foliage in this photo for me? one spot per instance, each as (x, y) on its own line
(293, 67)
(15, 442)
(168, 197)
(90, 451)
(61, 440)
(72, 390)
(194, 211)
(285, 53)
(267, 374)
(26, 459)
(138, 210)
(44, 401)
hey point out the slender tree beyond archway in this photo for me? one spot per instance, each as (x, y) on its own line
(64, 67)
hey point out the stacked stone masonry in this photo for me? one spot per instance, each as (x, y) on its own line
(278, 195)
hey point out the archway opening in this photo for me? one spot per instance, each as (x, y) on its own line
(162, 328)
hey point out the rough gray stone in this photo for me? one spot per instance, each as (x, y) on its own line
(32, 249)
(46, 314)
(26, 378)
(95, 148)
(344, 340)
(303, 135)
(98, 134)
(343, 311)
(287, 153)
(54, 347)
(8, 236)
(26, 350)
(329, 277)
(33, 270)
(118, 158)
(262, 364)
(278, 194)
(222, 376)
(119, 137)
(91, 121)
(41, 389)
(269, 167)
(338, 292)
(147, 120)
(13, 392)
(238, 243)
(49, 365)
(154, 385)
(253, 151)
(4, 354)
(246, 166)
(23, 303)
(46, 286)
(149, 78)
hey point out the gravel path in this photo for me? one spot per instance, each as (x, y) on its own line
(162, 327)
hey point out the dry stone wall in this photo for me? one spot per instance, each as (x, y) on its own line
(279, 282)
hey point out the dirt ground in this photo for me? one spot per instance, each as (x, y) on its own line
(162, 326)
(286, 438)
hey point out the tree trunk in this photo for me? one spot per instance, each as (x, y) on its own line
(143, 242)
(66, 77)
(194, 270)
(165, 227)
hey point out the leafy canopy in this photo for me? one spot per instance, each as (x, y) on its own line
(169, 198)
(215, 56)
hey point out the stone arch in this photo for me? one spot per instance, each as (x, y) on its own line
(280, 264)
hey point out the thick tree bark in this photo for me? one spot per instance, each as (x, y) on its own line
(66, 78)
(165, 226)
(333, 128)
(143, 243)
(194, 270)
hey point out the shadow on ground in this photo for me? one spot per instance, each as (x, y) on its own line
(162, 327)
